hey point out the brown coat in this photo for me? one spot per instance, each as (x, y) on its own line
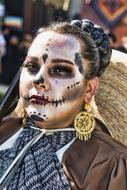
(97, 164)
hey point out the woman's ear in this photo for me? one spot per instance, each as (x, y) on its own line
(91, 88)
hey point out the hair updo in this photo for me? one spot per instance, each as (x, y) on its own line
(96, 43)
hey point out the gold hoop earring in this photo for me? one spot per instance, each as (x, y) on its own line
(84, 123)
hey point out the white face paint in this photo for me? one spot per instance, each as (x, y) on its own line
(61, 94)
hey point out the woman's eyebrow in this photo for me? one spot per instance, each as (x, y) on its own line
(30, 59)
(34, 59)
(62, 60)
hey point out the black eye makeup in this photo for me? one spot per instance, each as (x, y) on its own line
(32, 66)
(60, 71)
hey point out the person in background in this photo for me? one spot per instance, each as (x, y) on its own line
(123, 46)
(113, 40)
(24, 46)
(11, 60)
(59, 144)
(2, 49)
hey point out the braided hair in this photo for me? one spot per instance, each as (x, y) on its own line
(96, 43)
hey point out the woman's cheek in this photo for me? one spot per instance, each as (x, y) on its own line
(25, 84)
(24, 87)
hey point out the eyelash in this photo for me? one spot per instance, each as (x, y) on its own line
(32, 67)
(60, 71)
(55, 71)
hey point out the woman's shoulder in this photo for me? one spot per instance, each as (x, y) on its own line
(109, 145)
(8, 127)
(100, 143)
(96, 161)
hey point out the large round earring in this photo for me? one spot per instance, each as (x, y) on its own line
(84, 123)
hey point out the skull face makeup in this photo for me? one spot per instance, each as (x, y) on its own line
(52, 80)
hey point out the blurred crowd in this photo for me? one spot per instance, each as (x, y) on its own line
(13, 49)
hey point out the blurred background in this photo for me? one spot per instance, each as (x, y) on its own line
(20, 19)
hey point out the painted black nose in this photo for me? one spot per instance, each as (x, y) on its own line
(38, 81)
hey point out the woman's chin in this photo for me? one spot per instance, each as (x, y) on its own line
(41, 123)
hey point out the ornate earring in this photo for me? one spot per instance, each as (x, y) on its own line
(84, 123)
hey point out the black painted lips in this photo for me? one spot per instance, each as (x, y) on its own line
(36, 118)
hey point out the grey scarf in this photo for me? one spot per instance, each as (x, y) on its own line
(40, 167)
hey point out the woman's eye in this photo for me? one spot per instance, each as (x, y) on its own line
(32, 67)
(60, 71)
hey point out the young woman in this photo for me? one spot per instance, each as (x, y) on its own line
(61, 145)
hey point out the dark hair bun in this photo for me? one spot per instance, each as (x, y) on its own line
(101, 40)
(77, 23)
